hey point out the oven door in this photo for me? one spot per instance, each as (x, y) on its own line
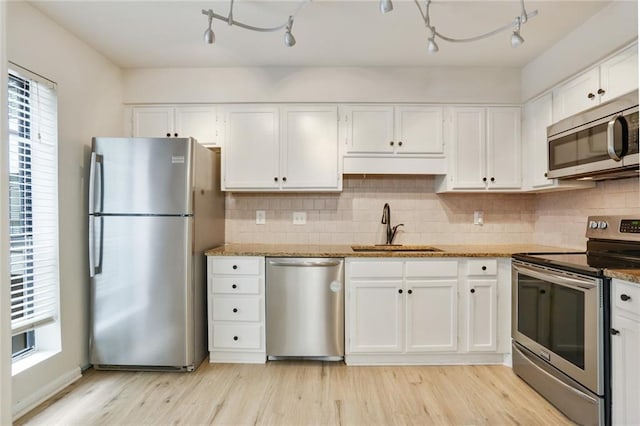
(557, 315)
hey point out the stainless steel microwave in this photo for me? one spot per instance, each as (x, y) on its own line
(600, 143)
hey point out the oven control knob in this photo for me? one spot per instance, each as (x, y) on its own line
(602, 224)
(593, 224)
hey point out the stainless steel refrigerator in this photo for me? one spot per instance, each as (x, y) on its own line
(154, 206)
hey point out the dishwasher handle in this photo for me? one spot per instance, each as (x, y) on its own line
(305, 263)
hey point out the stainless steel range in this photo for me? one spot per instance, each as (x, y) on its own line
(561, 318)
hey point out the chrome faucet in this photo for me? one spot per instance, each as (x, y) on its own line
(386, 220)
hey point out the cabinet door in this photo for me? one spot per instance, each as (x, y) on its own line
(418, 130)
(376, 317)
(153, 122)
(625, 381)
(503, 148)
(619, 75)
(369, 129)
(574, 95)
(481, 316)
(468, 138)
(432, 315)
(250, 155)
(537, 116)
(309, 148)
(199, 122)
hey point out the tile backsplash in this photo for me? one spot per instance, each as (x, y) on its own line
(353, 215)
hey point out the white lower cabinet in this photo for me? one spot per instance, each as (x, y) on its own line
(236, 309)
(625, 348)
(426, 311)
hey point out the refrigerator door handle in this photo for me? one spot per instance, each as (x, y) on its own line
(92, 267)
(95, 262)
(95, 160)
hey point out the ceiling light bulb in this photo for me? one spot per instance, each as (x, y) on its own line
(432, 47)
(516, 39)
(386, 6)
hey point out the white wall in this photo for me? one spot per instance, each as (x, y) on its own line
(89, 104)
(274, 84)
(613, 27)
(5, 317)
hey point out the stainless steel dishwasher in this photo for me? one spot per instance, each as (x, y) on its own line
(305, 308)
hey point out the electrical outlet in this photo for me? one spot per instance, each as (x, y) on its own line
(261, 217)
(299, 218)
(478, 217)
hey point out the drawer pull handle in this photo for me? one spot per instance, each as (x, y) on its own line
(235, 266)
(625, 297)
(235, 338)
(235, 310)
(234, 285)
(484, 268)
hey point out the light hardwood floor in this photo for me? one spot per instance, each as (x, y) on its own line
(300, 393)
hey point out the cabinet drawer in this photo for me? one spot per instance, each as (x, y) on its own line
(237, 265)
(237, 336)
(376, 269)
(482, 267)
(627, 297)
(432, 268)
(237, 309)
(236, 285)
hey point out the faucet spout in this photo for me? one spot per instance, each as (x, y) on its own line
(386, 220)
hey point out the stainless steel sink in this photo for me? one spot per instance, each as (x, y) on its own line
(393, 247)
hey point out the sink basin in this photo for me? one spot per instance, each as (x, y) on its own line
(392, 247)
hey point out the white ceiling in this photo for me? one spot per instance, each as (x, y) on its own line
(153, 34)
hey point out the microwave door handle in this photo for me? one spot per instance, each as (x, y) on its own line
(574, 283)
(611, 148)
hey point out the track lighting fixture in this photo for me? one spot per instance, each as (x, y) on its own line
(289, 39)
(432, 46)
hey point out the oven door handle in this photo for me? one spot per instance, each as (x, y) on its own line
(575, 283)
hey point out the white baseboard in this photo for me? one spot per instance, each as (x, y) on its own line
(32, 401)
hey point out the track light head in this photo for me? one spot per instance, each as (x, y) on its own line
(289, 39)
(516, 39)
(209, 36)
(386, 6)
(432, 46)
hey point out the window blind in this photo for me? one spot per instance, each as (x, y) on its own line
(33, 200)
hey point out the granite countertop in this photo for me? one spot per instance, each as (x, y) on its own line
(329, 250)
(631, 275)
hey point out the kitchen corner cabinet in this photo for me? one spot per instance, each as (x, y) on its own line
(424, 311)
(484, 150)
(625, 347)
(611, 78)
(537, 115)
(197, 121)
(288, 148)
(393, 139)
(236, 309)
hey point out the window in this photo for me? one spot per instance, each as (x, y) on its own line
(33, 206)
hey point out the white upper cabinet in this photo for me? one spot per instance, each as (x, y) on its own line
(292, 148)
(613, 77)
(198, 122)
(393, 139)
(484, 151)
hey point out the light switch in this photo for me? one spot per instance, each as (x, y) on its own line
(261, 217)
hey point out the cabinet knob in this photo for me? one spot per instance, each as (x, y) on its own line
(484, 268)
(175, 134)
(493, 179)
(234, 285)
(400, 290)
(400, 143)
(168, 134)
(235, 338)
(235, 310)
(614, 332)
(625, 297)
(545, 174)
(410, 291)
(391, 143)
(284, 179)
(543, 291)
(473, 290)
(601, 91)
(235, 267)
(275, 179)
(484, 179)
(591, 96)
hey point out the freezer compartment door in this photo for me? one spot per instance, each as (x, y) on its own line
(142, 295)
(141, 176)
